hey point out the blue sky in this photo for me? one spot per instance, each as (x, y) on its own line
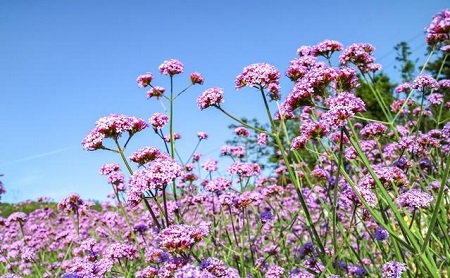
(64, 64)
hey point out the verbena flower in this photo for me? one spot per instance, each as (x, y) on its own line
(210, 97)
(202, 135)
(179, 239)
(214, 266)
(274, 271)
(112, 126)
(210, 165)
(217, 185)
(260, 74)
(242, 131)
(162, 171)
(145, 155)
(119, 251)
(171, 67)
(342, 108)
(196, 78)
(425, 83)
(158, 120)
(156, 91)
(439, 28)
(360, 54)
(326, 48)
(108, 168)
(414, 198)
(262, 139)
(393, 269)
(144, 80)
(18, 217)
(71, 204)
(381, 234)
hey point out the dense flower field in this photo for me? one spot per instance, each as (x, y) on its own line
(372, 201)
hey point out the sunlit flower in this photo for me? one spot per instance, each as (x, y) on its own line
(144, 80)
(196, 78)
(393, 269)
(171, 67)
(156, 91)
(210, 97)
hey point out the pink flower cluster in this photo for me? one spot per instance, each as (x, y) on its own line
(171, 67)
(210, 97)
(360, 54)
(260, 75)
(144, 80)
(158, 120)
(145, 155)
(111, 126)
(179, 239)
(439, 29)
(162, 171)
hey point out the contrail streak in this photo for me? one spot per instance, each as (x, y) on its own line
(36, 156)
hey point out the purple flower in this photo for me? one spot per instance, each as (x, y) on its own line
(111, 126)
(171, 67)
(157, 175)
(145, 155)
(119, 251)
(144, 80)
(210, 97)
(180, 238)
(19, 217)
(202, 135)
(262, 139)
(415, 198)
(360, 54)
(381, 234)
(71, 203)
(393, 269)
(274, 271)
(242, 131)
(326, 48)
(342, 108)
(156, 91)
(196, 78)
(372, 130)
(265, 216)
(214, 266)
(158, 120)
(258, 75)
(439, 28)
(425, 83)
(210, 165)
(108, 168)
(217, 185)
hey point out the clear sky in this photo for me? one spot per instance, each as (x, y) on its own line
(64, 64)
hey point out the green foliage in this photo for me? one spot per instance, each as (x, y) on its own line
(406, 66)
(382, 83)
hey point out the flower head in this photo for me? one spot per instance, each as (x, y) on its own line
(156, 91)
(415, 198)
(202, 135)
(259, 75)
(111, 126)
(439, 28)
(171, 67)
(180, 238)
(210, 97)
(158, 120)
(360, 54)
(196, 78)
(326, 48)
(425, 82)
(144, 80)
(145, 155)
(393, 269)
